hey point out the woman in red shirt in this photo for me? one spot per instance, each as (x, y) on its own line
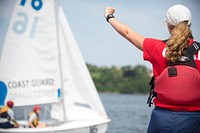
(168, 116)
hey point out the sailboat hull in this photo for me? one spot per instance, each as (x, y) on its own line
(71, 127)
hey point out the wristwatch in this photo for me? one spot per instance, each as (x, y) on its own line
(109, 16)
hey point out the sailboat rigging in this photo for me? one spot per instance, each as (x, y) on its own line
(42, 64)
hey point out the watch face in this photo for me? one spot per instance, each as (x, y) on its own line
(109, 16)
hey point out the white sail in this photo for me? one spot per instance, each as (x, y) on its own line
(41, 63)
(81, 99)
(29, 64)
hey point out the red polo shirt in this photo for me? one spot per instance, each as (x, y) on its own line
(154, 52)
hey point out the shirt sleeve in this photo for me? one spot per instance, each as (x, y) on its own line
(154, 52)
(11, 114)
(32, 117)
(151, 47)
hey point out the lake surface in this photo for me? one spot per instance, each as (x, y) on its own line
(129, 113)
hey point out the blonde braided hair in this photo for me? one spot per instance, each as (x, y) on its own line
(178, 41)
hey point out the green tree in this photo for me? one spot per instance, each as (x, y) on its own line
(126, 79)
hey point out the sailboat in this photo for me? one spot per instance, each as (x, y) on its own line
(41, 64)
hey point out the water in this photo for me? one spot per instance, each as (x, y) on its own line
(129, 113)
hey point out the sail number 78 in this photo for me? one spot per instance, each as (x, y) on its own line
(36, 4)
(20, 26)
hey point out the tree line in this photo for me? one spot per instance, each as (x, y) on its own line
(126, 79)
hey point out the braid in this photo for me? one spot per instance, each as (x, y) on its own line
(178, 41)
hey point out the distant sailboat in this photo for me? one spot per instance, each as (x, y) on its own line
(41, 64)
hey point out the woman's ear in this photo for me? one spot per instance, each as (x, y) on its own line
(170, 27)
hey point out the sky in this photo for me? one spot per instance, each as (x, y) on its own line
(99, 43)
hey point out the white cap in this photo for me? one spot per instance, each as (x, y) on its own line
(178, 13)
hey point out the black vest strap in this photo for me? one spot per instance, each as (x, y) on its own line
(152, 93)
(192, 49)
(188, 58)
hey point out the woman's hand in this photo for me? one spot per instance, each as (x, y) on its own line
(109, 10)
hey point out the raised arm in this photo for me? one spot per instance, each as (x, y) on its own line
(124, 30)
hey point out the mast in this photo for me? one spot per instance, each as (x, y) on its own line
(59, 59)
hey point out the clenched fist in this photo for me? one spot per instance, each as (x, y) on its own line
(109, 10)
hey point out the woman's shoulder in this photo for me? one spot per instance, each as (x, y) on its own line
(154, 50)
(33, 114)
(154, 41)
(151, 44)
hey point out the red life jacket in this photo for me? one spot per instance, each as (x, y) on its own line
(179, 83)
(182, 89)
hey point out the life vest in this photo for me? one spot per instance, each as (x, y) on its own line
(4, 113)
(179, 83)
(181, 89)
(35, 122)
